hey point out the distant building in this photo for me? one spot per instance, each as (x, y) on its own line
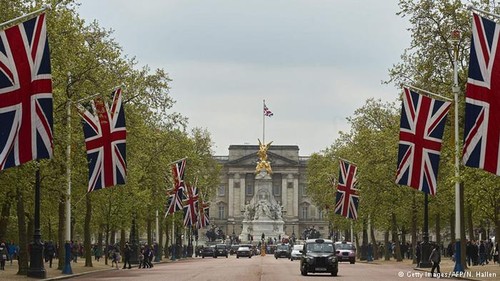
(289, 184)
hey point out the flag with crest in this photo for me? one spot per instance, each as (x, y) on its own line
(482, 99)
(347, 199)
(420, 137)
(25, 94)
(105, 139)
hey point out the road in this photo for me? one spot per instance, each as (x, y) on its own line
(255, 269)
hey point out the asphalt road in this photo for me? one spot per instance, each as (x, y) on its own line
(256, 268)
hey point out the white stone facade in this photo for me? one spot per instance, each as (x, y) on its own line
(289, 183)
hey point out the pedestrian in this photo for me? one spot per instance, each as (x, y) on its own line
(115, 257)
(49, 252)
(141, 258)
(482, 253)
(469, 248)
(3, 255)
(97, 252)
(127, 252)
(369, 252)
(435, 258)
(495, 253)
(149, 257)
(74, 251)
(417, 254)
(11, 251)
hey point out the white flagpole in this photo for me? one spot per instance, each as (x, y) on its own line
(263, 122)
(471, 8)
(39, 11)
(427, 92)
(458, 268)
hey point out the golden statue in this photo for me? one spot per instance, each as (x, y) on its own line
(263, 163)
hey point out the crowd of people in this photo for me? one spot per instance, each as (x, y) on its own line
(8, 252)
(480, 252)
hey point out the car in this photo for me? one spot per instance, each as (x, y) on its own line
(295, 254)
(208, 251)
(252, 248)
(282, 251)
(221, 250)
(345, 251)
(318, 256)
(243, 252)
(233, 249)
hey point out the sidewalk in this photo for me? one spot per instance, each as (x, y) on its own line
(489, 272)
(78, 268)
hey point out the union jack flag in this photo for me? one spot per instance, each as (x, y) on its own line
(190, 206)
(347, 198)
(176, 195)
(267, 112)
(25, 94)
(482, 102)
(420, 137)
(203, 214)
(105, 137)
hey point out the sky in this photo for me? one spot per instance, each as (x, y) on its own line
(314, 62)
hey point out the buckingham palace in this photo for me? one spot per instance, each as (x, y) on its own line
(287, 185)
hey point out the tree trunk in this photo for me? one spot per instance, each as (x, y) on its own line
(167, 238)
(113, 237)
(150, 238)
(106, 254)
(123, 238)
(99, 239)
(414, 238)
(376, 253)
(23, 240)
(438, 229)
(60, 232)
(395, 238)
(4, 216)
(160, 242)
(358, 253)
(365, 242)
(86, 232)
(387, 252)
(470, 223)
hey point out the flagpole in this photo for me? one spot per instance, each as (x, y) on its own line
(177, 161)
(44, 7)
(459, 268)
(427, 92)
(345, 160)
(67, 235)
(471, 8)
(263, 122)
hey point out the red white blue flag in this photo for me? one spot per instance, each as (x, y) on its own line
(176, 194)
(191, 206)
(482, 100)
(347, 199)
(25, 94)
(420, 137)
(105, 137)
(267, 112)
(203, 214)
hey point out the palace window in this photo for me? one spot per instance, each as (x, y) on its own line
(222, 190)
(305, 210)
(222, 211)
(277, 184)
(249, 180)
